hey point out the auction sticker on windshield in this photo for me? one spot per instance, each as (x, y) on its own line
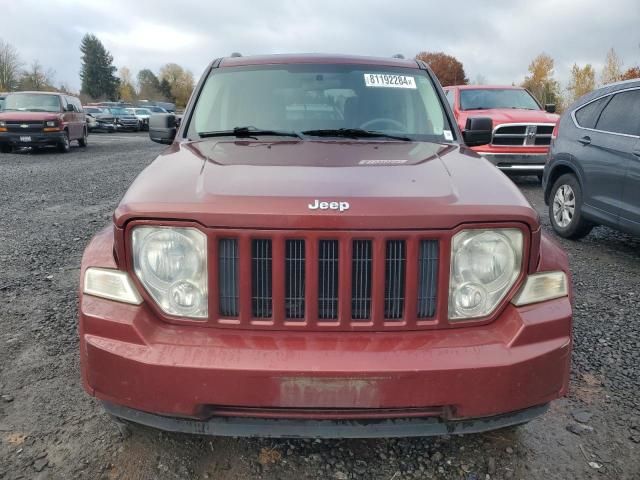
(392, 81)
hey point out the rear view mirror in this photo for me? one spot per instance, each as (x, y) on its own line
(550, 107)
(69, 108)
(162, 128)
(478, 131)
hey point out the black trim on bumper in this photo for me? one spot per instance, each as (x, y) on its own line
(285, 428)
(37, 139)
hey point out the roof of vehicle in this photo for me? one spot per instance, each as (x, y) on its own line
(43, 93)
(320, 58)
(485, 87)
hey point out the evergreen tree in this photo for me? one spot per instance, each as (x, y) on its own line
(165, 89)
(98, 72)
(148, 85)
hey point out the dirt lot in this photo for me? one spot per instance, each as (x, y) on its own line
(51, 205)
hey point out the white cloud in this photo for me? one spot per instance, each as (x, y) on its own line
(496, 39)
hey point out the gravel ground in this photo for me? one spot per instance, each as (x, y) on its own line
(51, 205)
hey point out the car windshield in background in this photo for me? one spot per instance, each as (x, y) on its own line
(488, 98)
(157, 110)
(27, 102)
(317, 99)
(92, 110)
(142, 111)
(119, 111)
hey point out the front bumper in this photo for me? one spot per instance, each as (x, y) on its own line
(34, 139)
(144, 367)
(300, 428)
(127, 126)
(523, 163)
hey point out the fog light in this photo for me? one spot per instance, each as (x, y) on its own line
(470, 298)
(185, 297)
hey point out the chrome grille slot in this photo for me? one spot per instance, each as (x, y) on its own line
(228, 277)
(522, 135)
(294, 278)
(328, 256)
(427, 278)
(361, 280)
(394, 279)
(261, 287)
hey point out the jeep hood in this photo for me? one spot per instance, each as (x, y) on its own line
(261, 185)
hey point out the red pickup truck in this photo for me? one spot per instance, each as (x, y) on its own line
(313, 255)
(522, 128)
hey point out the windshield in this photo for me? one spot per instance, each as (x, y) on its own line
(309, 98)
(142, 111)
(118, 111)
(28, 102)
(487, 98)
(92, 110)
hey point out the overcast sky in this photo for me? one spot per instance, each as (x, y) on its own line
(496, 39)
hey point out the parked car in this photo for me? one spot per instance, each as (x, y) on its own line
(38, 119)
(142, 114)
(123, 119)
(332, 271)
(98, 120)
(593, 174)
(521, 126)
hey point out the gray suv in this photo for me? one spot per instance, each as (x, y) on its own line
(592, 176)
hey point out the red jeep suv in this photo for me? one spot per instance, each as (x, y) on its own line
(313, 255)
(521, 127)
(39, 119)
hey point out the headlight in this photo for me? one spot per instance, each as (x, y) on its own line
(3, 123)
(51, 123)
(484, 266)
(171, 263)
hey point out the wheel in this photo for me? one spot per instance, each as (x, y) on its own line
(565, 208)
(83, 141)
(65, 145)
(6, 149)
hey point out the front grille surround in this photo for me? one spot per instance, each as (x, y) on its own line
(319, 280)
(522, 135)
(312, 322)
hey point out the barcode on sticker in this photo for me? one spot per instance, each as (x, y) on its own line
(390, 81)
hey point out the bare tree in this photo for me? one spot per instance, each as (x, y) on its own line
(612, 70)
(37, 78)
(10, 66)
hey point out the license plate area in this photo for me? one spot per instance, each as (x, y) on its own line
(313, 392)
(25, 138)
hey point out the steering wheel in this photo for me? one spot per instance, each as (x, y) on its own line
(384, 121)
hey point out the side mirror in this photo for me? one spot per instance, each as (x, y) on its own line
(162, 128)
(69, 108)
(550, 107)
(478, 131)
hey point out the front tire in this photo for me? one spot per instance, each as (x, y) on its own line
(83, 141)
(65, 145)
(6, 149)
(565, 208)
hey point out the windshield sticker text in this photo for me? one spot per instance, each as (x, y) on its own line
(389, 81)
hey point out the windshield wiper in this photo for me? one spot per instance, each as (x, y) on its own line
(353, 133)
(247, 132)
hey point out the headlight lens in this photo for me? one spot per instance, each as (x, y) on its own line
(171, 263)
(3, 123)
(51, 123)
(484, 266)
